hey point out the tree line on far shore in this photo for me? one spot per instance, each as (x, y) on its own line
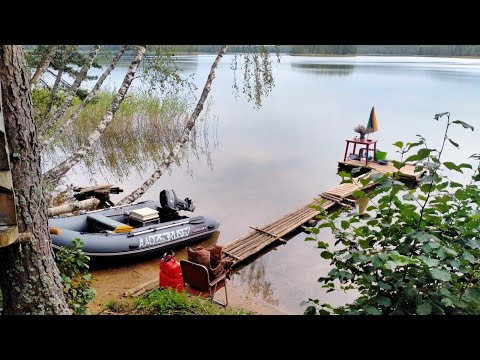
(408, 50)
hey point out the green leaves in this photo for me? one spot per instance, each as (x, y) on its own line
(424, 309)
(422, 248)
(451, 166)
(438, 116)
(370, 310)
(464, 124)
(453, 143)
(326, 254)
(73, 266)
(384, 301)
(398, 144)
(440, 274)
(399, 260)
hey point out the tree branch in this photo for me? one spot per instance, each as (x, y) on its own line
(53, 91)
(43, 65)
(183, 137)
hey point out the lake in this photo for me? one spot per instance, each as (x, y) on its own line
(271, 161)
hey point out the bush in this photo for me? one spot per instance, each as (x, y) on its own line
(415, 251)
(73, 266)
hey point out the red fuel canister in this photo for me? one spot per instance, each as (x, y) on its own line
(170, 272)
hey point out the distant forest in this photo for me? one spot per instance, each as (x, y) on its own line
(425, 50)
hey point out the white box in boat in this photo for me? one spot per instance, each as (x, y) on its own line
(144, 214)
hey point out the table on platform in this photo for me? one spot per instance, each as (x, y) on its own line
(367, 143)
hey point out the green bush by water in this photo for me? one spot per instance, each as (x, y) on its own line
(415, 251)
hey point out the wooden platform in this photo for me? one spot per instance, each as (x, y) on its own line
(406, 173)
(250, 244)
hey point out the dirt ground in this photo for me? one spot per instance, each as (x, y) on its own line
(114, 279)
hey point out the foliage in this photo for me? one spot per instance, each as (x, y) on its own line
(41, 98)
(170, 302)
(67, 57)
(257, 73)
(416, 251)
(73, 266)
(324, 49)
(119, 306)
(161, 73)
(143, 131)
(428, 50)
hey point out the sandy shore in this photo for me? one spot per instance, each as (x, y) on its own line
(112, 283)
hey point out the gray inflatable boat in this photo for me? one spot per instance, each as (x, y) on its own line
(135, 229)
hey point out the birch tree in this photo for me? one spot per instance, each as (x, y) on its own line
(54, 175)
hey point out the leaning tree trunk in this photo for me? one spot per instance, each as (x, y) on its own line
(43, 65)
(183, 137)
(53, 176)
(87, 100)
(54, 90)
(50, 122)
(29, 277)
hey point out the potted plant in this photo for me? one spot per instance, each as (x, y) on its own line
(362, 130)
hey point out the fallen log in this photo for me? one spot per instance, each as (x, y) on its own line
(77, 205)
(140, 289)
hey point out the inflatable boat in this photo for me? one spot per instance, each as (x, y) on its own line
(135, 229)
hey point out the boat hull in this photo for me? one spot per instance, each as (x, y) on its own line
(142, 240)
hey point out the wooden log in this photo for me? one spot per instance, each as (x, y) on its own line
(277, 237)
(145, 286)
(151, 285)
(91, 188)
(231, 255)
(77, 205)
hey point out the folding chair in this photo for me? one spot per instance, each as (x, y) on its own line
(196, 281)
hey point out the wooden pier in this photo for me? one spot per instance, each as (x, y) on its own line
(250, 244)
(246, 246)
(407, 173)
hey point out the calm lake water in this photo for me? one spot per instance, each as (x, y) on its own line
(271, 161)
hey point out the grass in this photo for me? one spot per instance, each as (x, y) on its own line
(169, 302)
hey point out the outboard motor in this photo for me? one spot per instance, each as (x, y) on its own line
(171, 204)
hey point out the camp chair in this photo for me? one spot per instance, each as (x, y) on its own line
(196, 281)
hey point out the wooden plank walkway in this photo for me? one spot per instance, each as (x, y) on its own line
(242, 248)
(250, 244)
(406, 173)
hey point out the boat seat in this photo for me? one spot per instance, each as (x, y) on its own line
(106, 223)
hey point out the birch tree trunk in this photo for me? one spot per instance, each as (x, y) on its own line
(89, 97)
(183, 137)
(29, 277)
(50, 122)
(53, 176)
(74, 206)
(53, 92)
(43, 65)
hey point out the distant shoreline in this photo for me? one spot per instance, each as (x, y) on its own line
(390, 55)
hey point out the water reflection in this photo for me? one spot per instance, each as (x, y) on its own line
(324, 69)
(187, 63)
(272, 161)
(252, 280)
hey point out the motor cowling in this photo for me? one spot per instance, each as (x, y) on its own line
(169, 200)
